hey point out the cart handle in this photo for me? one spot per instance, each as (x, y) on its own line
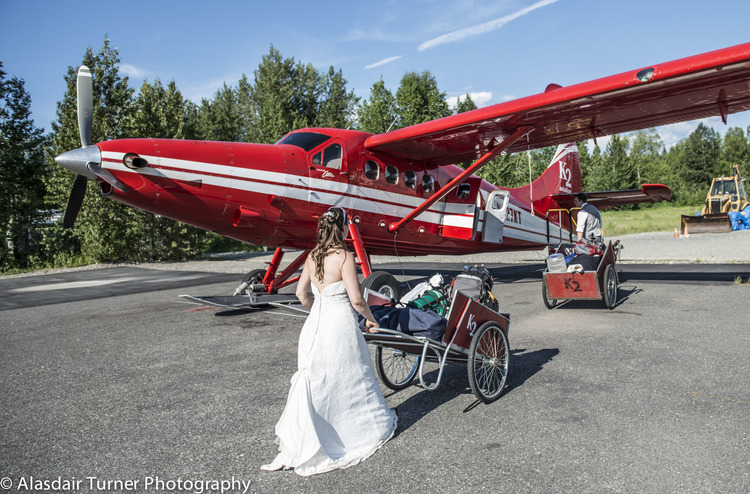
(440, 359)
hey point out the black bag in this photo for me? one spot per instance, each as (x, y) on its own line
(476, 282)
(588, 263)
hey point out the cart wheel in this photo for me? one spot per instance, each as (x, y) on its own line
(383, 283)
(610, 287)
(489, 357)
(550, 304)
(395, 368)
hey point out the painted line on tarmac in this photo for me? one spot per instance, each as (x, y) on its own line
(95, 283)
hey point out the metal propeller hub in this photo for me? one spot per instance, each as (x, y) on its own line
(77, 160)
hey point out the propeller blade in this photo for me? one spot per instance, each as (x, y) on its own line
(85, 99)
(74, 202)
(107, 176)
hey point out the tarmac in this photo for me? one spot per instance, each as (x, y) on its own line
(650, 248)
(107, 376)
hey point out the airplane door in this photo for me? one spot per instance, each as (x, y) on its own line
(494, 216)
(329, 173)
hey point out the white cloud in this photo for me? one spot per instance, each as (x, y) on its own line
(382, 62)
(480, 98)
(482, 28)
(133, 71)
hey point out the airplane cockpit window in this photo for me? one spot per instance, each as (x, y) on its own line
(391, 174)
(428, 184)
(372, 170)
(410, 179)
(332, 156)
(463, 191)
(304, 140)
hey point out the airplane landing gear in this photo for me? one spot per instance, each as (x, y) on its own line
(266, 280)
(383, 283)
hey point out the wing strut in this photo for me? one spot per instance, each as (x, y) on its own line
(508, 142)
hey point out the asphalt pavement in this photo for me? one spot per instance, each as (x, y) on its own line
(113, 383)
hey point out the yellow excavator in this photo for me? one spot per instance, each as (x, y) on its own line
(726, 194)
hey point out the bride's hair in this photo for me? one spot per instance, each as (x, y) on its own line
(331, 237)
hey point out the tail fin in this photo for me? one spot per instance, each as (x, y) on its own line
(564, 171)
(562, 176)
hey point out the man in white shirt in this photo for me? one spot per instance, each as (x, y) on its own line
(589, 223)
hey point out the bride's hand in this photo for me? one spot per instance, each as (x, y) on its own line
(371, 326)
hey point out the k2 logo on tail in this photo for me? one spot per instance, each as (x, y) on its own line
(565, 175)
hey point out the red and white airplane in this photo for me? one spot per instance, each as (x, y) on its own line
(402, 191)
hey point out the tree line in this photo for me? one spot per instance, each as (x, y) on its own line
(281, 95)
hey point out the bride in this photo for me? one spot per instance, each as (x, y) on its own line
(335, 415)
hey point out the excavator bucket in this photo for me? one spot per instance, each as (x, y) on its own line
(707, 223)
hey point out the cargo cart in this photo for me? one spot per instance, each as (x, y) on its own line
(588, 285)
(476, 336)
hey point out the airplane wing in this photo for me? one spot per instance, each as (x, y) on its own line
(706, 85)
(608, 199)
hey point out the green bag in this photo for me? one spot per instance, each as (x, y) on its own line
(433, 300)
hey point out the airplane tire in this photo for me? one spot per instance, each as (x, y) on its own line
(383, 283)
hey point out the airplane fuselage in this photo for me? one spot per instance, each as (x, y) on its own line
(273, 195)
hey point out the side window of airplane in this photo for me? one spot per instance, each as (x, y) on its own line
(410, 179)
(372, 170)
(332, 156)
(391, 174)
(428, 184)
(463, 191)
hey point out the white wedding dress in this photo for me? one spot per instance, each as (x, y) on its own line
(335, 415)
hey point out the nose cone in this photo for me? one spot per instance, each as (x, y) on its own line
(77, 159)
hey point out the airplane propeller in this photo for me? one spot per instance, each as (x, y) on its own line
(85, 104)
(77, 193)
(86, 161)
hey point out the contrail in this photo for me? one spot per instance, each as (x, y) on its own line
(382, 62)
(482, 28)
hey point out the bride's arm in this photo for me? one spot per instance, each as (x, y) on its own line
(349, 275)
(303, 287)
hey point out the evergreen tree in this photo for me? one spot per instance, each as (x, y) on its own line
(700, 159)
(418, 99)
(222, 118)
(540, 159)
(645, 156)
(245, 110)
(595, 177)
(104, 229)
(337, 107)
(623, 174)
(466, 104)
(22, 176)
(735, 150)
(283, 97)
(511, 170)
(584, 158)
(163, 113)
(378, 114)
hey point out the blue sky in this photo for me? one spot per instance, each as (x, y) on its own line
(495, 50)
